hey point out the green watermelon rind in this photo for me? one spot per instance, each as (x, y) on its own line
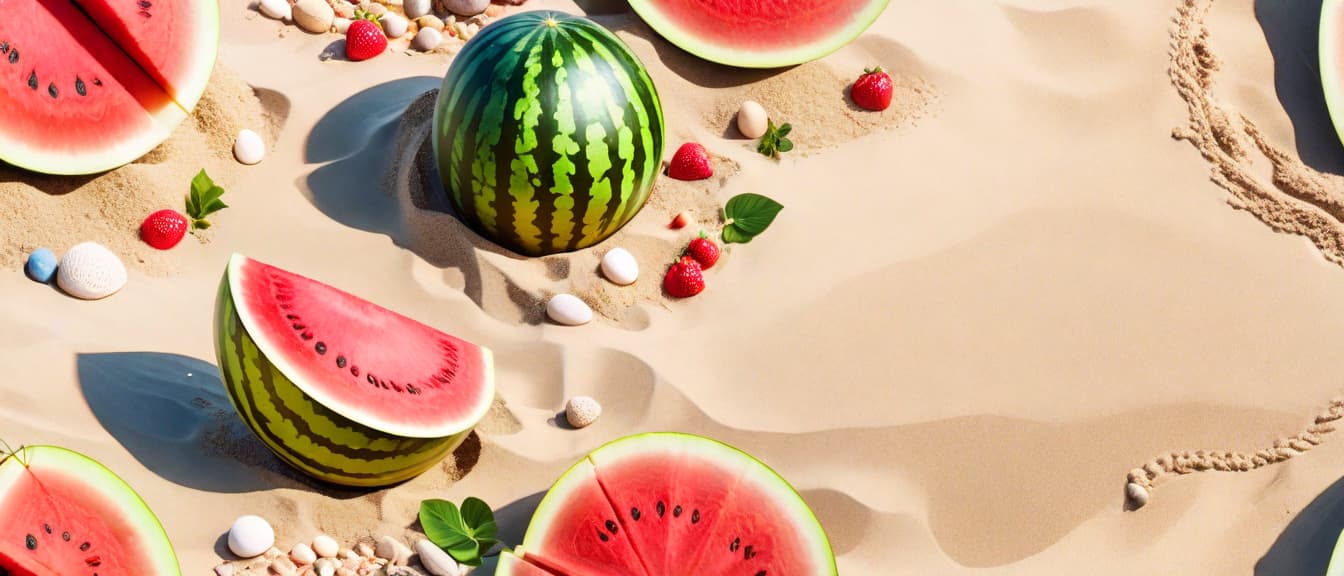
(234, 276)
(111, 486)
(708, 50)
(1332, 62)
(775, 484)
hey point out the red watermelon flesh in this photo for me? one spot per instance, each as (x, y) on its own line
(63, 514)
(73, 83)
(723, 513)
(363, 361)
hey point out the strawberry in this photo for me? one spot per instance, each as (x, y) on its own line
(704, 251)
(691, 162)
(163, 229)
(684, 278)
(872, 90)
(365, 38)
(680, 221)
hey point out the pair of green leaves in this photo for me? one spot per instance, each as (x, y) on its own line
(466, 533)
(748, 215)
(203, 201)
(775, 140)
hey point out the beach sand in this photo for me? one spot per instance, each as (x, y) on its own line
(977, 314)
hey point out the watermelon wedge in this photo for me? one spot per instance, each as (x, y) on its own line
(1336, 565)
(63, 514)
(341, 388)
(753, 34)
(665, 504)
(90, 85)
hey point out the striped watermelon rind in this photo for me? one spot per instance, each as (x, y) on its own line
(548, 133)
(309, 436)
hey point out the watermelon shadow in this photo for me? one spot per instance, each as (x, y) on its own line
(1306, 544)
(1292, 30)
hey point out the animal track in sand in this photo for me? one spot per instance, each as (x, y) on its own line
(1296, 200)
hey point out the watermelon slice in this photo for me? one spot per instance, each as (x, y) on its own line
(89, 85)
(753, 34)
(662, 504)
(1332, 61)
(341, 388)
(63, 514)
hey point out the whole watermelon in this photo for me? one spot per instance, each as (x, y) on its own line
(548, 133)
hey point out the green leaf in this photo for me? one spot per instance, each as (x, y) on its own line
(204, 199)
(213, 206)
(441, 521)
(477, 516)
(751, 213)
(784, 129)
(200, 224)
(734, 235)
(785, 145)
(201, 182)
(464, 533)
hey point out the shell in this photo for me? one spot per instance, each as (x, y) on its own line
(569, 310)
(248, 148)
(581, 411)
(620, 266)
(752, 121)
(90, 271)
(250, 536)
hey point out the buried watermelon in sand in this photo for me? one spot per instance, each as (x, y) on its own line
(63, 514)
(90, 85)
(548, 133)
(664, 503)
(340, 388)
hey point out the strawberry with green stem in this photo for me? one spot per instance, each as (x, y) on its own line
(203, 201)
(775, 140)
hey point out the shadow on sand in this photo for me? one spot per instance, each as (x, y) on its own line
(1292, 29)
(1305, 546)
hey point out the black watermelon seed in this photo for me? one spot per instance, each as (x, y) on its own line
(298, 326)
(4, 47)
(51, 89)
(747, 553)
(32, 79)
(736, 542)
(321, 348)
(611, 526)
(340, 361)
(371, 379)
(31, 541)
(761, 573)
(14, 56)
(80, 88)
(412, 389)
(634, 513)
(93, 561)
(602, 536)
(676, 512)
(354, 371)
(46, 528)
(97, 82)
(84, 547)
(306, 335)
(695, 516)
(144, 4)
(291, 316)
(65, 536)
(661, 509)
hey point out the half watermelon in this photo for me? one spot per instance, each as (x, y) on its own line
(90, 85)
(63, 514)
(343, 389)
(662, 504)
(753, 34)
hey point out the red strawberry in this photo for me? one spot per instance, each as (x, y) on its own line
(704, 250)
(364, 40)
(691, 162)
(684, 279)
(872, 90)
(680, 221)
(163, 229)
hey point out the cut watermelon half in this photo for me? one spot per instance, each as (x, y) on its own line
(1332, 61)
(89, 85)
(753, 34)
(664, 504)
(344, 389)
(63, 514)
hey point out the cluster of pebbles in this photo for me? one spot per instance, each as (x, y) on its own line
(252, 539)
(422, 25)
(88, 271)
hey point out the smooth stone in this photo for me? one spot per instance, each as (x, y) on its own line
(343, 9)
(326, 566)
(341, 25)
(393, 550)
(619, 266)
(41, 265)
(429, 21)
(752, 121)
(326, 546)
(248, 147)
(569, 310)
(416, 8)
(395, 26)
(427, 39)
(374, 8)
(302, 554)
(283, 567)
(250, 536)
(90, 271)
(581, 411)
(364, 550)
(224, 569)
(277, 9)
(466, 7)
(1138, 495)
(435, 560)
(314, 16)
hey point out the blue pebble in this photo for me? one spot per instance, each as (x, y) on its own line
(41, 265)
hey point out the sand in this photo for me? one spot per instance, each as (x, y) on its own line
(977, 314)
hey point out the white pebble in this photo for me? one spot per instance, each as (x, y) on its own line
(89, 271)
(394, 25)
(302, 554)
(393, 550)
(466, 7)
(341, 25)
(325, 546)
(581, 411)
(314, 16)
(415, 8)
(619, 266)
(250, 536)
(1137, 494)
(427, 39)
(436, 561)
(569, 310)
(248, 147)
(752, 120)
(277, 9)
